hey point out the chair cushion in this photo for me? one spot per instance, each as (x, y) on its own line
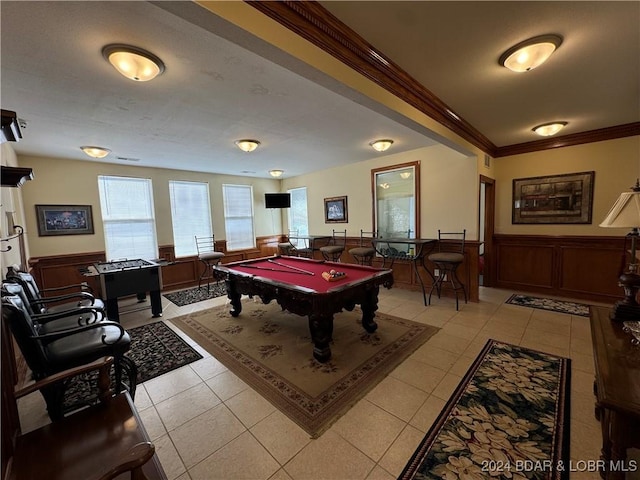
(362, 251)
(332, 249)
(85, 347)
(447, 257)
(211, 256)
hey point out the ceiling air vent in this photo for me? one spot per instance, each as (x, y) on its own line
(128, 159)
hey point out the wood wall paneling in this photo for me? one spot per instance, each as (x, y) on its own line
(584, 268)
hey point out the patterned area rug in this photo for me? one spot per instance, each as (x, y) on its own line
(272, 351)
(155, 349)
(508, 418)
(194, 295)
(560, 306)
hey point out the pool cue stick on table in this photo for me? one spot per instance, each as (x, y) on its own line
(292, 268)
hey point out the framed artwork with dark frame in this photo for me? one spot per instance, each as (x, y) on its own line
(64, 220)
(335, 210)
(559, 199)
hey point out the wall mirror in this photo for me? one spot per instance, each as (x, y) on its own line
(396, 200)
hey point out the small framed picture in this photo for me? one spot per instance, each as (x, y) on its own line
(64, 220)
(335, 210)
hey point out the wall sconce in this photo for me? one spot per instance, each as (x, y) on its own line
(95, 152)
(133, 62)
(247, 145)
(625, 213)
(531, 53)
(381, 145)
(276, 173)
(548, 129)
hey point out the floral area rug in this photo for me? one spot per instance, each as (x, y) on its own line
(155, 350)
(550, 304)
(508, 418)
(194, 295)
(271, 350)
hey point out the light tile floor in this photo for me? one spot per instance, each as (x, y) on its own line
(208, 424)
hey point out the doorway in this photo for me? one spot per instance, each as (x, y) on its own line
(487, 224)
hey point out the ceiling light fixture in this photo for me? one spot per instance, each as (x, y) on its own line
(276, 173)
(531, 53)
(247, 145)
(133, 62)
(548, 129)
(95, 152)
(405, 175)
(381, 145)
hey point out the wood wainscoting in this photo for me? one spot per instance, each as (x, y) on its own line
(567, 266)
(60, 270)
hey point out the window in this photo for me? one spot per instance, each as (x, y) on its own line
(190, 215)
(298, 219)
(396, 192)
(127, 216)
(238, 216)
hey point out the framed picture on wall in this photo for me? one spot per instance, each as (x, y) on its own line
(64, 220)
(560, 199)
(335, 210)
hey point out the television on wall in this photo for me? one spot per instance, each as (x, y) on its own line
(277, 200)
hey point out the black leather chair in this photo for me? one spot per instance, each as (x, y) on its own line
(56, 321)
(49, 353)
(80, 294)
(333, 251)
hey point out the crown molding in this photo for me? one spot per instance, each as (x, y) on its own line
(602, 134)
(313, 22)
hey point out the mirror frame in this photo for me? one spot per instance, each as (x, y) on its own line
(416, 191)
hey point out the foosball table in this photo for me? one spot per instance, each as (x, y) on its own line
(130, 277)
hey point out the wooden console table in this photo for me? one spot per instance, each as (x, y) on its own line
(617, 389)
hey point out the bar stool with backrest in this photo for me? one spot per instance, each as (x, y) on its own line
(365, 253)
(206, 247)
(287, 248)
(333, 251)
(447, 259)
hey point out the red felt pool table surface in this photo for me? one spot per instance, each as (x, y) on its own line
(289, 270)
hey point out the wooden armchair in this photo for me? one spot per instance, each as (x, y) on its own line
(101, 442)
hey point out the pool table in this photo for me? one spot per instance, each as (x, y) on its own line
(298, 286)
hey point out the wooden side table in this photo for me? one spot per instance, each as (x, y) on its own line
(617, 389)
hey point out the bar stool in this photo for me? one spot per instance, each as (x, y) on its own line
(363, 255)
(333, 251)
(287, 248)
(447, 260)
(207, 254)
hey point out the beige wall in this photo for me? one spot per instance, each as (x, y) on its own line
(448, 196)
(11, 199)
(70, 182)
(616, 164)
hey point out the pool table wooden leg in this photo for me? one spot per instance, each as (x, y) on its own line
(321, 328)
(234, 297)
(369, 307)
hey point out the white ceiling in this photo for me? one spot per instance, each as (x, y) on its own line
(215, 91)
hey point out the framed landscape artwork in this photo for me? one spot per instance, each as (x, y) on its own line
(64, 220)
(335, 210)
(558, 199)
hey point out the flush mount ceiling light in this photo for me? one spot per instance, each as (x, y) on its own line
(95, 152)
(276, 173)
(531, 53)
(247, 145)
(133, 62)
(405, 175)
(548, 129)
(381, 145)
